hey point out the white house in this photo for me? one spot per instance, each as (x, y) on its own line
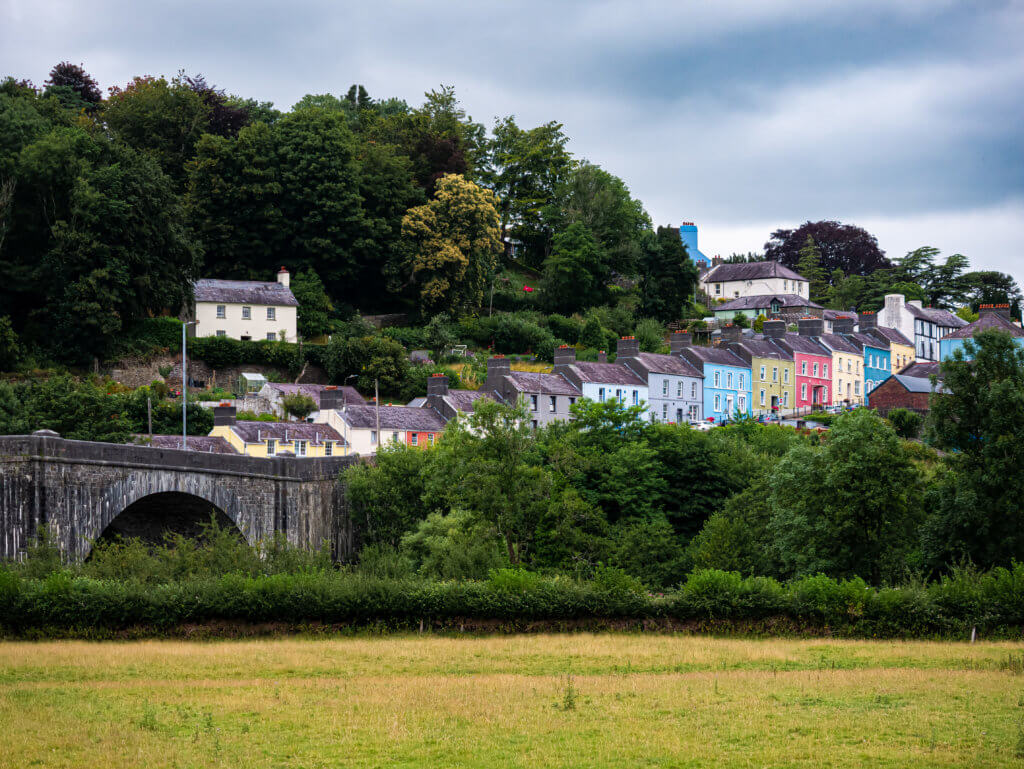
(732, 281)
(602, 381)
(925, 325)
(246, 309)
(675, 386)
(365, 427)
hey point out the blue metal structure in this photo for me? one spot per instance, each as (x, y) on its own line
(688, 234)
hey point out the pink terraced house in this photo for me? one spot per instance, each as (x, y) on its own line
(811, 361)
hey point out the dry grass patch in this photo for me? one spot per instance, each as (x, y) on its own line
(530, 701)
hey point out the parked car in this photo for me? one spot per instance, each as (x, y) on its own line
(702, 426)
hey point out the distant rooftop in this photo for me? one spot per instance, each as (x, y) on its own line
(750, 271)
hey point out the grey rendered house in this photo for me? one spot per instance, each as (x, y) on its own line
(602, 381)
(547, 396)
(675, 387)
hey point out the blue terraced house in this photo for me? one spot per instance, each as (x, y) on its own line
(990, 316)
(728, 386)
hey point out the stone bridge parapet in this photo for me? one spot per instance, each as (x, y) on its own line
(76, 488)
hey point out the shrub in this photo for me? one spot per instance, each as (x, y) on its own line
(907, 424)
(650, 335)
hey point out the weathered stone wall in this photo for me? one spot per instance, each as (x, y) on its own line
(76, 488)
(136, 372)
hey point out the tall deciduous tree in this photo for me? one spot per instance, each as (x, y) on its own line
(979, 417)
(314, 314)
(162, 118)
(843, 247)
(850, 508)
(527, 168)
(453, 244)
(667, 276)
(575, 273)
(75, 78)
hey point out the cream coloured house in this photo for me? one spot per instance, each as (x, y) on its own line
(732, 281)
(246, 309)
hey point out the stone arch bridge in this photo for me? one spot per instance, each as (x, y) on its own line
(80, 490)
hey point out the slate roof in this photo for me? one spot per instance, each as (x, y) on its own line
(717, 356)
(244, 292)
(545, 384)
(465, 400)
(750, 271)
(922, 370)
(840, 314)
(937, 316)
(607, 373)
(764, 348)
(917, 384)
(894, 335)
(839, 343)
(656, 363)
(764, 301)
(988, 320)
(393, 418)
(351, 394)
(862, 340)
(211, 444)
(805, 345)
(257, 432)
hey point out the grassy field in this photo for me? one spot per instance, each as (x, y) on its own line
(517, 701)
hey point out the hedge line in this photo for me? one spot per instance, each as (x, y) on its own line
(62, 603)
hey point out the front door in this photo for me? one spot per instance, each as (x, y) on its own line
(728, 405)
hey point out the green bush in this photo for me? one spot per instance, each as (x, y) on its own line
(907, 424)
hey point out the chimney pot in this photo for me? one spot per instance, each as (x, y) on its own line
(627, 347)
(679, 341)
(284, 277)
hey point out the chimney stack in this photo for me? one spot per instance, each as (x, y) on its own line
(774, 329)
(223, 414)
(994, 309)
(602, 356)
(842, 326)
(331, 398)
(731, 333)
(497, 367)
(867, 320)
(627, 347)
(437, 384)
(284, 277)
(810, 326)
(679, 341)
(565, 355)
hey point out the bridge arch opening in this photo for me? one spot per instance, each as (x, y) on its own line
(151, 517)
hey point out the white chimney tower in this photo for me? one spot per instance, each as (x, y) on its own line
(284, 277)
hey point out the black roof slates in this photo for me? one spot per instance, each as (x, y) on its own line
(545, 384)
(244, 292)
(750, 271)
(657, 363)
(257, 432)
(988, 320)
(607, 373)
(762, 301)
(393, 418)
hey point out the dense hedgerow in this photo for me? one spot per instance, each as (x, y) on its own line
(992, 602)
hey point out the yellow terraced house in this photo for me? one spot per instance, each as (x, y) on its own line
(772, 371)
(847, 369)
(277, 439)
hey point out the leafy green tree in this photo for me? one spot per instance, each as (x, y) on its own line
(907, 424)
(602, 203)
(575, 272)
(453, 246)
(991, 287)
(370, 358)
(809, 266)
(10, 348)
(77, 410)
(161, 118)
(458, 545)
(979, 417)
(298, 405)
(387, 498)
(593, 334)
(667, 276)
(849, 508)
(491, 465)
(844, 291)
(314, 314)
(527, 169)
(650, 335)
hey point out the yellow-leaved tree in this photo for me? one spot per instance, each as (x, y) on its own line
(454, 245)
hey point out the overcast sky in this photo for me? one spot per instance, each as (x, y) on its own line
(905, 117)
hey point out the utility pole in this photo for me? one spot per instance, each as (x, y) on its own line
(376, 400)
(184, 385)
(149, 414)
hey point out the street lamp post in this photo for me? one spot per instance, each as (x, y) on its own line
(184, 385)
